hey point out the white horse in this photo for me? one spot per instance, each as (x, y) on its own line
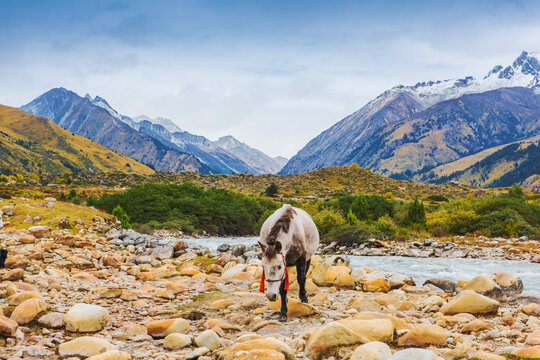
(288, 237)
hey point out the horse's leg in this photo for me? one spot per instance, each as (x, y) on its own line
(301, 271)
(283, 294)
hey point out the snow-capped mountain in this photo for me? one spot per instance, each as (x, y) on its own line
(408, 130)
(166, 123)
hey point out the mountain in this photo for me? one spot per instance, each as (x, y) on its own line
(258, 160)
(32, 144)
(409, 130)
(168, 124)
(82, 116)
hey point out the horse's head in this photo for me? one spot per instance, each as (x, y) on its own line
(274, 269)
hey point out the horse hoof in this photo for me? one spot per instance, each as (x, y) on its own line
(304, 299)
(282, 318)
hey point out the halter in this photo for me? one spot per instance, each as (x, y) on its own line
(284, 278)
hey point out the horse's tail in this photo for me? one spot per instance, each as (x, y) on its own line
(281, 224)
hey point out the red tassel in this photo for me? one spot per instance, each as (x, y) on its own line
(286, 286)
(261, 287)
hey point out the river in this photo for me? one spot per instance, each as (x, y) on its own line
(420, 268)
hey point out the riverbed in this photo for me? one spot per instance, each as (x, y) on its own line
(419, 268)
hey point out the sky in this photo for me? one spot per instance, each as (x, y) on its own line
(273, 74)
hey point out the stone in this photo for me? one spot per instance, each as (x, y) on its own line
(398, 323)
(468, 301)
(448, 286)
(425, 334)
(338, 276)
(295, 308)
(376, 285)
(16, 261)
(373, 330)
(261, 354)
(483, 285)
(162, 328)
(197, 353)
(21, 297)
(28, 310)
(111, 355)
(39, 231)
(475, 325)
(330, 337)
(528, 352)
(176, 341)
(86, 318)
(533, 338)
(229, 273)
(85, 346)
(532, 309)
(258, 343)
(414, 354)
(8, 327)
(209, 339)
(363, 304)
(222, 303)
(510, 284)
(13, 275)
(53, 320)
(484, 355)
(387, 299)
(132, 332)
(374, 350)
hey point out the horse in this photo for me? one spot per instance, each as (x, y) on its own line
(288, 237)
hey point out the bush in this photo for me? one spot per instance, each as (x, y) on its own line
(327, 220)
(271, 190)
(456, 222)
(121, 215)
(416, 214)
(347, 235)
(388, 195)
(438, 232)
(360, 207)
(384, 227)
(505, 222)
(351, 219)
(438, 198)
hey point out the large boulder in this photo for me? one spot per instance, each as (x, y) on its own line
(468, 301)
(208, 339)
(317, 269)
(338, 276)
(374, 350)
(86, 318)
(395, 280)
(484, 285)
(330, 337)
(85, 346)
(379, 284)
(425, 334)
(448, 286)
(28, 310)
(510, 284)
(162, 328)
(8, 327)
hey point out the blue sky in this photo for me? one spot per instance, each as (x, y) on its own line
(271, 73)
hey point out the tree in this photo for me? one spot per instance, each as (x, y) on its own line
(121, 216)
(416, 214)
(360, 207)
(351, 219)
(516, 191)
(271, 190)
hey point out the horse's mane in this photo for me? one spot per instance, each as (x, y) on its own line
(281, 224)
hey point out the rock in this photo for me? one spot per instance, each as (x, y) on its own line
(532, 309)
(229, 273)
(21, 297)
(483, 285)
(197, 353)
(8, 327)
(374, 350)
(39, 231)
(398, 323)
(85, 346)
(510, 284)
(13, 275)
(261, 354)
(256, 346)
(164, 252)
(338, 276)
(364, 304)
(28, 310)
(53, 320)
(483, 355)
(176, 341)
(209, 339)
(527, 299)
(425, 334)
(475, 325)
(468, 301)
(528, 352)
(373, 330)
(318, 269)
(111, 355)
(223, 248)
(86, 318)
(448, 286)
(414, 354)
(330, 337)
(376, 285)
(16, 261)
(222, 303)
(387, 299)
(162, 328)
(238, 249)
(295, 308)
(132, 332)
(533, 338)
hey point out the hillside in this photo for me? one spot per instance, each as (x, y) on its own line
(80, 116)
(409, 130)
(32, 144)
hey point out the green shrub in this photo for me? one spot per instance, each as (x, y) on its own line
(347, 235)
(121, 215)
(360, 207)
(416, 214)
(351, 219)
(384, 227)
(328, 219)
(438, 198)
(505, 222)
(271, 190)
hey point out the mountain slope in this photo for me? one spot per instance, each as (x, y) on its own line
(401, 133)
(32, 144)
(82, 117)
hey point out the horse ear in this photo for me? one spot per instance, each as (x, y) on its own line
(263, 247)
(278, 246)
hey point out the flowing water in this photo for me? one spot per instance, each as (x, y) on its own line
(420, 268)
